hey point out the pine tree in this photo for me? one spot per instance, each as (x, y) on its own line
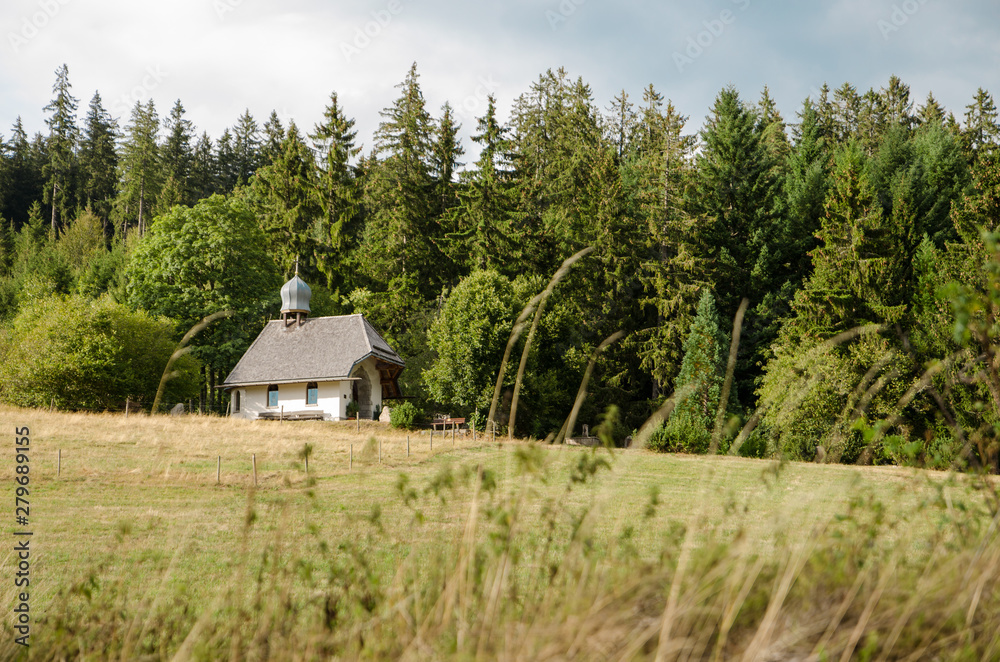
(772, 130)
(99, 160)
(734, 198)
(485, 236)
(805, 190)
(622, 124)
(274, 138)
(931, 113)
(227, 175)
(981, 132)
(401, 236)
(24, 177)
(285, 200)
(861, 269)
(177, 157)
(246, 147)
(141, 172)
(698, 385)
(337, 185)
(446, 151)
(670, 277)
(60, 170)
(203, 174)
(896, 104)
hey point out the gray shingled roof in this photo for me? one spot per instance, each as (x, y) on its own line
(322, 349)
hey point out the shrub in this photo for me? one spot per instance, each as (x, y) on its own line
(89, 354)
(405, 416)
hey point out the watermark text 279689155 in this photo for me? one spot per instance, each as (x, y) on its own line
(22, 534)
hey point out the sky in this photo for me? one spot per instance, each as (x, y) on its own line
(221, 57)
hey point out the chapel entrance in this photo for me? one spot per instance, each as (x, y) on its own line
(361, 392)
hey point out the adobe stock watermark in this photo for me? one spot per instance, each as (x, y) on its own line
(371, 30)
(474, 106)
(122, 106)
(566, 9)
(223, 7)
(29, 26)
(697, 44)
(900, 16)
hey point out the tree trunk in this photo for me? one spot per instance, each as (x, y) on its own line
(211, 389)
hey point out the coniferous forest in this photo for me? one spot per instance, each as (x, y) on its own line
(856, 244)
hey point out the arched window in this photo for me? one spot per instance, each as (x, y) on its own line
(272, 395)
(236, 401)
(312, 393)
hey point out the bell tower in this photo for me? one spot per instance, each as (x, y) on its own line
(295, 295)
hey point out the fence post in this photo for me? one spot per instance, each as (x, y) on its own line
(281, 416)
(59, 463)
(126, 407)
(453, 426)
(253, 458)
(407, 445)
(473, 432)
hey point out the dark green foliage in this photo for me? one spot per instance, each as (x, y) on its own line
(468, 339)
(689, 428)
(201, 260)
(60, 167)
(140, 171)
(405, 416)
(284, 199)
(99, 160)
(868, 211)
(93, 354)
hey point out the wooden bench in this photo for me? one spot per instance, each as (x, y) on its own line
(291, 416)
(446, 421)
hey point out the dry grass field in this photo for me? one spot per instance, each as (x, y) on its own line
(482, 550)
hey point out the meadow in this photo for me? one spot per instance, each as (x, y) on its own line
(147, 546)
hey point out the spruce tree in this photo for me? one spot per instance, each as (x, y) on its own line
(24, 177)
(485, 234)
(670, 277)
(981, 132)
(735, 199)
(60, 169)
(99, 160)
(288, 209)
(931, 112)
(805, 190)
(622, 122)
(861, 270)
(177, 157)
(338, 187)
(227, 175)
(140, 169)
(203, 174)
(274, 138)
(446, 151)
(401, 236)
(246, 147)
(698, 385)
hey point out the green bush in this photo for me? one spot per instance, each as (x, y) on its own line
(89, 354)
(405, 416)
(680, 435)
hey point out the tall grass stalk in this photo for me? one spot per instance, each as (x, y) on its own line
(734, 346)
(522, 319)
(181, 350)
(581, 394)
